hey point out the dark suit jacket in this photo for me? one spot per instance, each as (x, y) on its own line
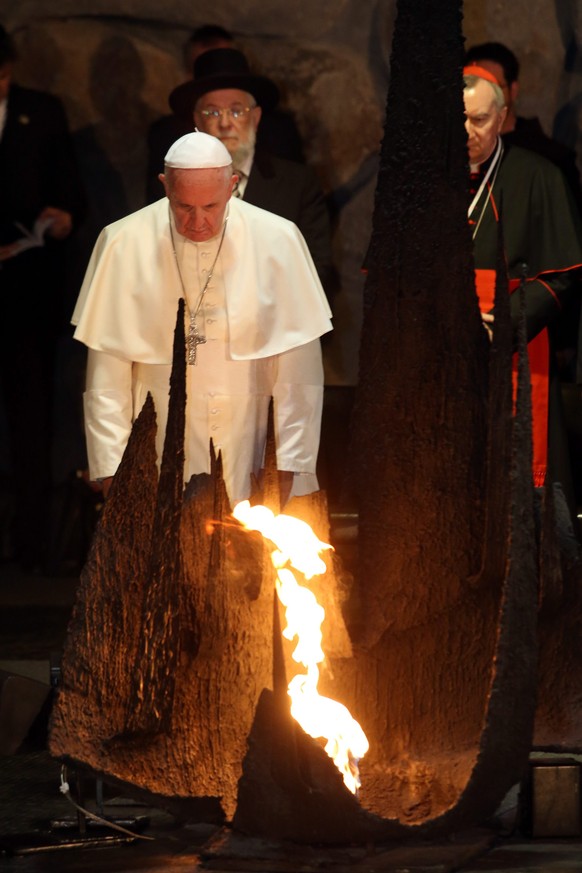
(291, 190)
(37, 169)
(37, 161)
(529, 134)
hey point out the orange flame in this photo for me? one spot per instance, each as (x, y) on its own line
(296, 545)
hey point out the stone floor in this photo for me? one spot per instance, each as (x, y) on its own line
(40, 829)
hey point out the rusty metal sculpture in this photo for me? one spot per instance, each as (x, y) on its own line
(174, 673)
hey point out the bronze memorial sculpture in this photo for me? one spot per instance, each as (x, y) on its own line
(174, 673)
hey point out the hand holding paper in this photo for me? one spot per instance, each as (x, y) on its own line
(30, 238)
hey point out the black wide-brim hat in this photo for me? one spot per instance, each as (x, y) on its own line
(222, 68)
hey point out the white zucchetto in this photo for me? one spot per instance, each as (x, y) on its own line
(197, 151)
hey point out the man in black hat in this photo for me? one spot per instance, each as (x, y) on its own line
(166, 130)
(284, 187)
(227, 101)
(277, 134)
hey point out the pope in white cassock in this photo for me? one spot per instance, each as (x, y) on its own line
(255, 310)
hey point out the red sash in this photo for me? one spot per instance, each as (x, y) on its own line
(539, 355)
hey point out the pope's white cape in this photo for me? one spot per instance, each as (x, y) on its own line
(129, 299)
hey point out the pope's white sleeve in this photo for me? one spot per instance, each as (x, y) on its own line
(107, 404)
(298, 402)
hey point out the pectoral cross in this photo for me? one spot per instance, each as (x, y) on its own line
(193, 340)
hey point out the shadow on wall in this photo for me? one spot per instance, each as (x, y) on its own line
(566, 127)
(111, 151)
(116, 81)
(40, 59)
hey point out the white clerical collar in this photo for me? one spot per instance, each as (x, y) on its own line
(490, 174)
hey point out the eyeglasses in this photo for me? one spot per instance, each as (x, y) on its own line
(236, 113)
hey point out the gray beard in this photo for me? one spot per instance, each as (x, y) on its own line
(244, 150)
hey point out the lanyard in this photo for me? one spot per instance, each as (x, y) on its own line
(493, 167)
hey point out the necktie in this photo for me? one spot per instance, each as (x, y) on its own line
(237, 188)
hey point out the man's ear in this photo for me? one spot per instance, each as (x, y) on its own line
(162, 178)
